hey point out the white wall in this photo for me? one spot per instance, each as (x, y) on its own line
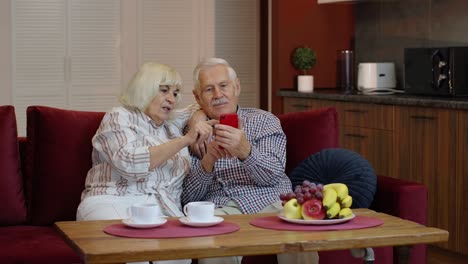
(5, 53)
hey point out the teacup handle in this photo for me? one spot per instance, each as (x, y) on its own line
(186, 209)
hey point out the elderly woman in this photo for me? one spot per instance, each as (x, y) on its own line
(139, 152)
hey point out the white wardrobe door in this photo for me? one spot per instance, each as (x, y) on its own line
(237, 39)
(39, 55)
(170, 33)
(94, 53)
(66, 55)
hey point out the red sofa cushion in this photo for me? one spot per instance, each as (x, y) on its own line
(59, 150)
(11, 182)
(309, 132)
(35, 245)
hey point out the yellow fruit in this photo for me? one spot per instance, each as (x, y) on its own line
(292, 209)
(340, 188)
(334, 210)
(329, 198)
(345, 212)
(347, 202)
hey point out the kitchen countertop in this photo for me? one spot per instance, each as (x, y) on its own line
(394, 99)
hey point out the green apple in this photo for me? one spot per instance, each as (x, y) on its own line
(292, 209)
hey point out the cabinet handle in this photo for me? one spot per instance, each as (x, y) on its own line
(423, 117)
(357, 111)
(355, 135)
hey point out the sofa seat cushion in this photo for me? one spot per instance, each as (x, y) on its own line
(308, 132)
(34, 245)
(59, 149)
(11, 181)
(340, 165)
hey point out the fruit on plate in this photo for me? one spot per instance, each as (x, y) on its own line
(347, 202)
(333, 211)
(329, 197)
(292, 209)
(313, 210)
(345, 212)
(340, 188)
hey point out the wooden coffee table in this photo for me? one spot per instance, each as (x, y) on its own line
(95, 246)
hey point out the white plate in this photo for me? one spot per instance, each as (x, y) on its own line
(216, 220)
(129, 222)
(316, 222)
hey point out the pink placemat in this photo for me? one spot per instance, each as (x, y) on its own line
(274, 222)
(171, 229)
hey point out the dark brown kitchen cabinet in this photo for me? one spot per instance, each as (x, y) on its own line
(461, 185)
(426, 144)
(364, 128)
(423, 144)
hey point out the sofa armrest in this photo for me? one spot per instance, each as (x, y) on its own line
(401, 198)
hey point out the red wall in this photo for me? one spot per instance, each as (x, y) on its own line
(326, 28)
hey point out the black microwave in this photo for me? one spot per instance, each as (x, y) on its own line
(436, 71)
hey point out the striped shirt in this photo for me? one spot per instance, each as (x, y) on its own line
(121, 158)
(253, 183)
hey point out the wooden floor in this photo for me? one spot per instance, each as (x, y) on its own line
(437, 255)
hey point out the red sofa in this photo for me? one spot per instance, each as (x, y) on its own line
(42, 176)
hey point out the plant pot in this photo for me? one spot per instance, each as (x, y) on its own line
(305, 83)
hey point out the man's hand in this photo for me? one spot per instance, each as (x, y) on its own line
(233, 140)
(213, 153)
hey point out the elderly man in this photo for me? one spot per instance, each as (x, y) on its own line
(242, 169)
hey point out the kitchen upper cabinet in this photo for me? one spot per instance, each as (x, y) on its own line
(426, 153)
(461, 185)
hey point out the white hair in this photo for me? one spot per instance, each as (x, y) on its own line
(144, 85)
(208, 63)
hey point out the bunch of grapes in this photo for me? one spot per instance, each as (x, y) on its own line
(308, 190)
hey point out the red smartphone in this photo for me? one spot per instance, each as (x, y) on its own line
(229, 119)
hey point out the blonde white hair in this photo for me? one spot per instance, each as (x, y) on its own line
(144, 85)
(208, 63)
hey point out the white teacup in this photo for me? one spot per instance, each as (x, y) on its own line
(199, 211)
(145, 213)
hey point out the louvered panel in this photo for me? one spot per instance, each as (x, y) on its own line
(248, 99)
(101, 103)
(22, 103)
(94, 48)
(169, 35)
(39, 54)
(237, 40)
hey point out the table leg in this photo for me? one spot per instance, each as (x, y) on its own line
(367, 254)
(401, 254)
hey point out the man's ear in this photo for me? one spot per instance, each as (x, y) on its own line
(237, 88)
(197, 97)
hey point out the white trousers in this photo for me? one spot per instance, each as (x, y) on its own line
(287, 258)
(106, 207)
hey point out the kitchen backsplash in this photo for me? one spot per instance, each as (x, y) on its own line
(385, 27)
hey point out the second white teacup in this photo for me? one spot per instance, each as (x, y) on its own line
(145, 213)
(199, 211)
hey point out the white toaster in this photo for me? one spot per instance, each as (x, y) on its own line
(376, 76)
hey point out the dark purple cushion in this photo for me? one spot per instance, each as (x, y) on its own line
(309, 132)
(59, 147)
(34, 245)
(11, 183)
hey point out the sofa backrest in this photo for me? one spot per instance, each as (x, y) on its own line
(58, 158)
(308, 132)
(11, 183)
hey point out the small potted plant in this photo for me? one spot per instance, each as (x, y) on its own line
(303, 59)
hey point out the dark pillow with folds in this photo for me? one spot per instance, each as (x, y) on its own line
(11, 183)
(339, 165)
(59, 147)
